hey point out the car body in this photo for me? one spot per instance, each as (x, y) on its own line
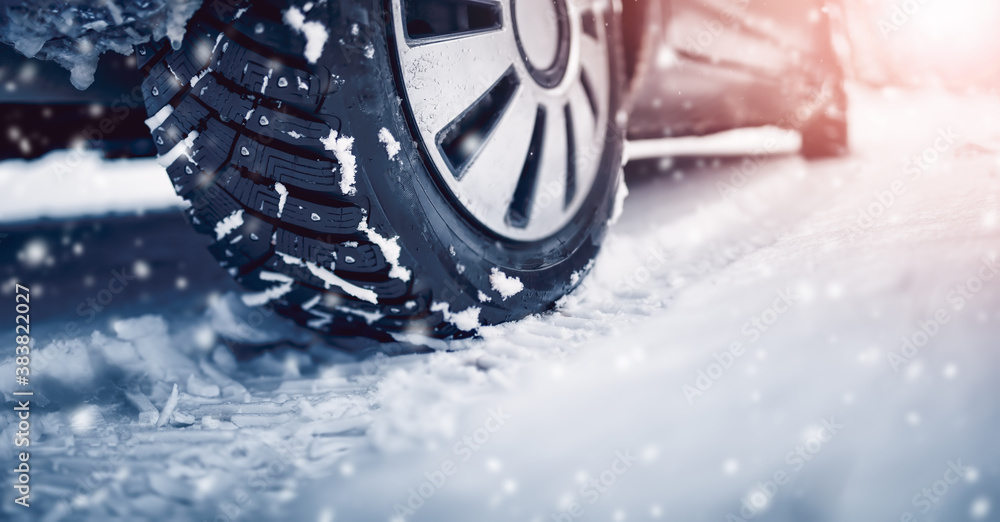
(704, 66)
(695, 67)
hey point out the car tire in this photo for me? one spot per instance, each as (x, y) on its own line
(317, 147)
(825, 135)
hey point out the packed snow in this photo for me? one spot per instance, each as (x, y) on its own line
(505, 285)
(282, 197)
(183, 148)
(390, 250)
(314, 32)
(332, 280)
(341, 148)
(229, 223)
(391, 145)
(467, 320)
(727, 358)
(154, 121)
(283, 286)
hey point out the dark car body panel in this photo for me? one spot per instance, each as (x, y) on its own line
(714, 65)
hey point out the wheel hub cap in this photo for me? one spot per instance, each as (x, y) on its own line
(510, 100)
(542, 31)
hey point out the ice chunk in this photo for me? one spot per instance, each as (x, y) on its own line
(177, 17)
(149, 337)
(76, 34)
(182, 419)
(168, 408)
(119, 353)
(148, 413)
(67, 362)
(197, 386)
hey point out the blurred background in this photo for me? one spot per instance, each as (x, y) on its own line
(913, 44)
(924, 43)
(270, 421)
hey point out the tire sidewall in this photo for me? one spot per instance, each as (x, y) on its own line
(454, 256)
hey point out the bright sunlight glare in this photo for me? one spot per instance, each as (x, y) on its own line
(951, 41)
(956, 24)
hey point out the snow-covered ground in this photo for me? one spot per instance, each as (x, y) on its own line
(736, 354)
(80, 183)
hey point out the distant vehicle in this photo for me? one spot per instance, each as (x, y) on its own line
(398, 168)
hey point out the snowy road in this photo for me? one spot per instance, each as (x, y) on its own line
(801, 341)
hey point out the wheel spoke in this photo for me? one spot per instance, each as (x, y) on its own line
(445, 77)
(465, 136)
(489, 182)
(594, 65)
(588, 137)
(520, 209)
(588, 91)
(583, 106)
(548, 203)
(571, 157)
(588, 20)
